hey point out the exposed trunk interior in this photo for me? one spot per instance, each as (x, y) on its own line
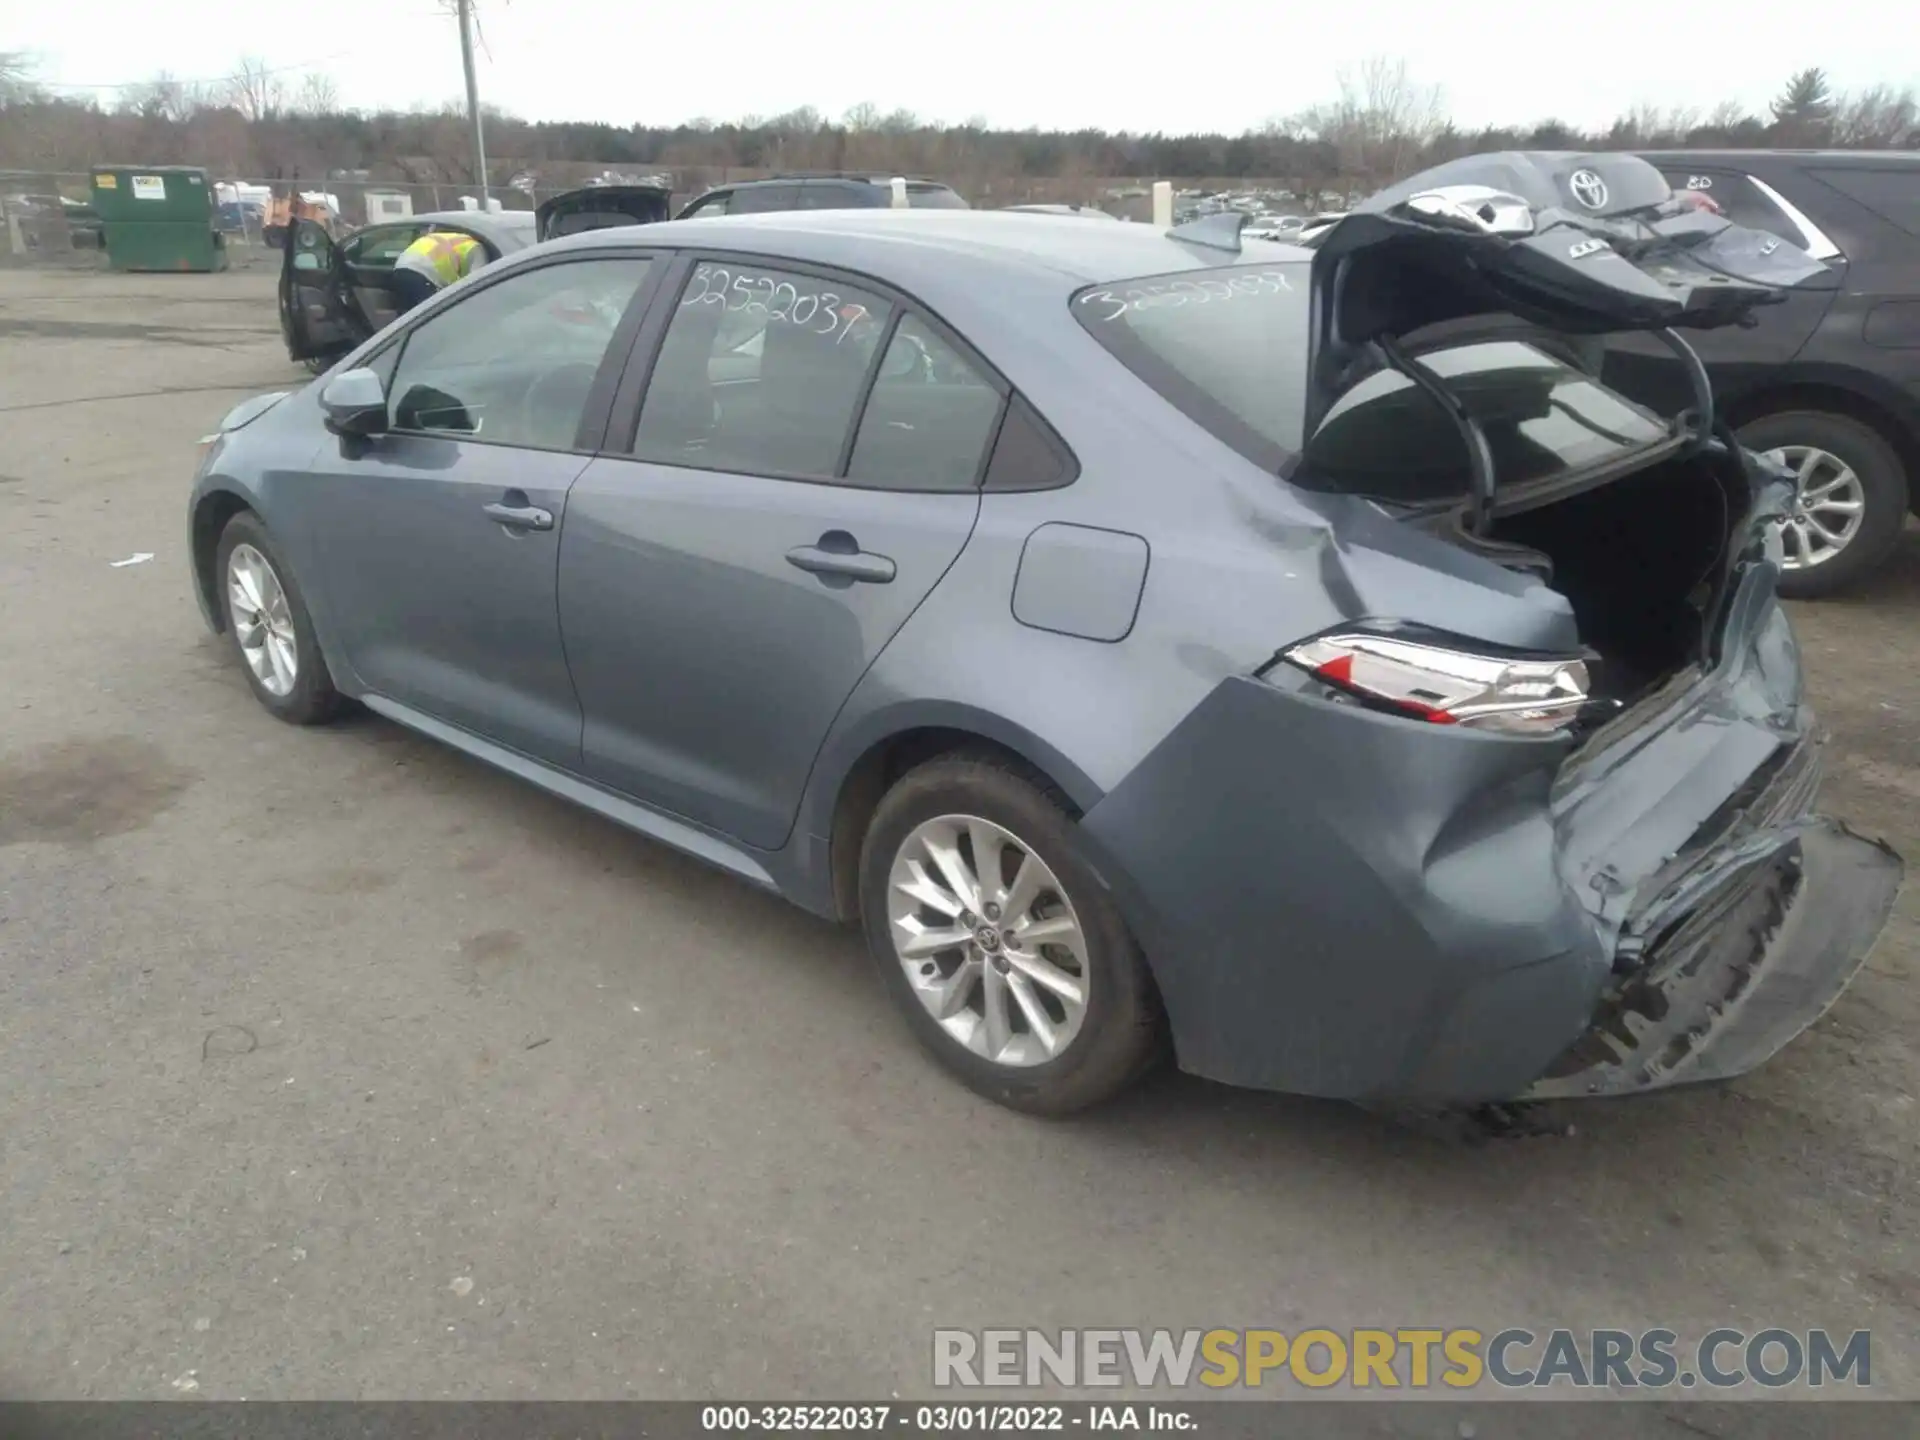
(1640, 559)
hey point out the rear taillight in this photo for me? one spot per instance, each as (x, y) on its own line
(1533, 695)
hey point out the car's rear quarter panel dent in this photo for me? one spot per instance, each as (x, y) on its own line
(1318, 905)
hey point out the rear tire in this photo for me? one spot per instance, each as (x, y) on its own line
(1878, 480)
(269, 626)
(1046, 1053)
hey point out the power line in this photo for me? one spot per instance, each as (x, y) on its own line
(201, 80)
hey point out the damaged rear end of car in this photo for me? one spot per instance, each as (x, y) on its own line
(1553, 834)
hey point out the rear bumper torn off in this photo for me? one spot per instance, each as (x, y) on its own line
(1769, 944)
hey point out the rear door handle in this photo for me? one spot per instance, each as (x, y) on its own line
(838, 556)
(519, 517)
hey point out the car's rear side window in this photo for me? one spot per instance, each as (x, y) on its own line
(934, 197)
(761, 199)
(928, 419)
(831, 195)
(1892, 194)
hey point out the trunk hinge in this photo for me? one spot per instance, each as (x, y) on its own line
(1704, 421)
(1479, 453)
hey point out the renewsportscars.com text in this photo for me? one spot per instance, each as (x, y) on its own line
(1401, 1359)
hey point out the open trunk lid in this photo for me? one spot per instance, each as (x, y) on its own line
(1580, 244)
(598, 207)
(1732, 913)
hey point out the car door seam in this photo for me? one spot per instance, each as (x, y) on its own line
(833, 724)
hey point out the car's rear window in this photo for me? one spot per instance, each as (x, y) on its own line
(1226, 346)
(1389, 440)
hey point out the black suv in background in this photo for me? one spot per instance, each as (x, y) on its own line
(1828, 382)
(833, 191)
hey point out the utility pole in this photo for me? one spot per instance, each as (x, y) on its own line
(473, 97)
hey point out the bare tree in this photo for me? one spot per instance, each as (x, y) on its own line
(16, 78)
(1382, 122)
(1650, 125)
(164, 98)
(1879, 117)
(1728, 115)
(254, 90)
(316, 94)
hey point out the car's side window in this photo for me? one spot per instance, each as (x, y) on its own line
(711, 205)
(1738, 200)
(759, 199)
(380, 246)
(760, 372)
(1028, 454)
(1892, 194)
(929, 419)
(828, 195)
(513, 363)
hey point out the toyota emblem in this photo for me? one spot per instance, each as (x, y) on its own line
(1588, 188)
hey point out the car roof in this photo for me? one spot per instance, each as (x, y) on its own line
(1839, 159)
(969, 246)
(858, 177)
(516, 227)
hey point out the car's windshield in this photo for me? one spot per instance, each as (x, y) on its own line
(1387, 439)
(1227, 346)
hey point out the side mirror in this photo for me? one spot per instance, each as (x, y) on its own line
(355, 403)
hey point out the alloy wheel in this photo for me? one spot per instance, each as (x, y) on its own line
(1828, 508)
(262, 620)
(988, 940)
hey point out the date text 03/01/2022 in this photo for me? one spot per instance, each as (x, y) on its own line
(944, 1419)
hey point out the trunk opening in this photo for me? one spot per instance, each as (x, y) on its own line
(1641, 559)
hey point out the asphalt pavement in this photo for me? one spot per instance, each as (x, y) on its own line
(333, 1064)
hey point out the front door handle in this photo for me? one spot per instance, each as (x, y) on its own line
(838, 556)
(519, 517)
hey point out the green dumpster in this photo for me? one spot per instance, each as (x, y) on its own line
(158, 217)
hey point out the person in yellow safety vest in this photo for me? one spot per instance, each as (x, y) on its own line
(431, 263)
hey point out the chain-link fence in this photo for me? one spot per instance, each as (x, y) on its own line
(49, 219)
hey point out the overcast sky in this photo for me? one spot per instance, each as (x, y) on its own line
(1206, 65)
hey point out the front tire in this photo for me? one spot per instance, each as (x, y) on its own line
(1007, 957)
(1852, 500)
(268, 623)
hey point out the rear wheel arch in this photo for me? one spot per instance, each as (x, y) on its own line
(1829, 397)
(860, 787)
(211, 515)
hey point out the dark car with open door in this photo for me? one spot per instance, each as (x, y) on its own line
(335, 294)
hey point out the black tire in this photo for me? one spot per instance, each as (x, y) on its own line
(1882, 479)
(312, 700)
(1121, 1036)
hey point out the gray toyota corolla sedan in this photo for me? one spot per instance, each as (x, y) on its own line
(1294, 661)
